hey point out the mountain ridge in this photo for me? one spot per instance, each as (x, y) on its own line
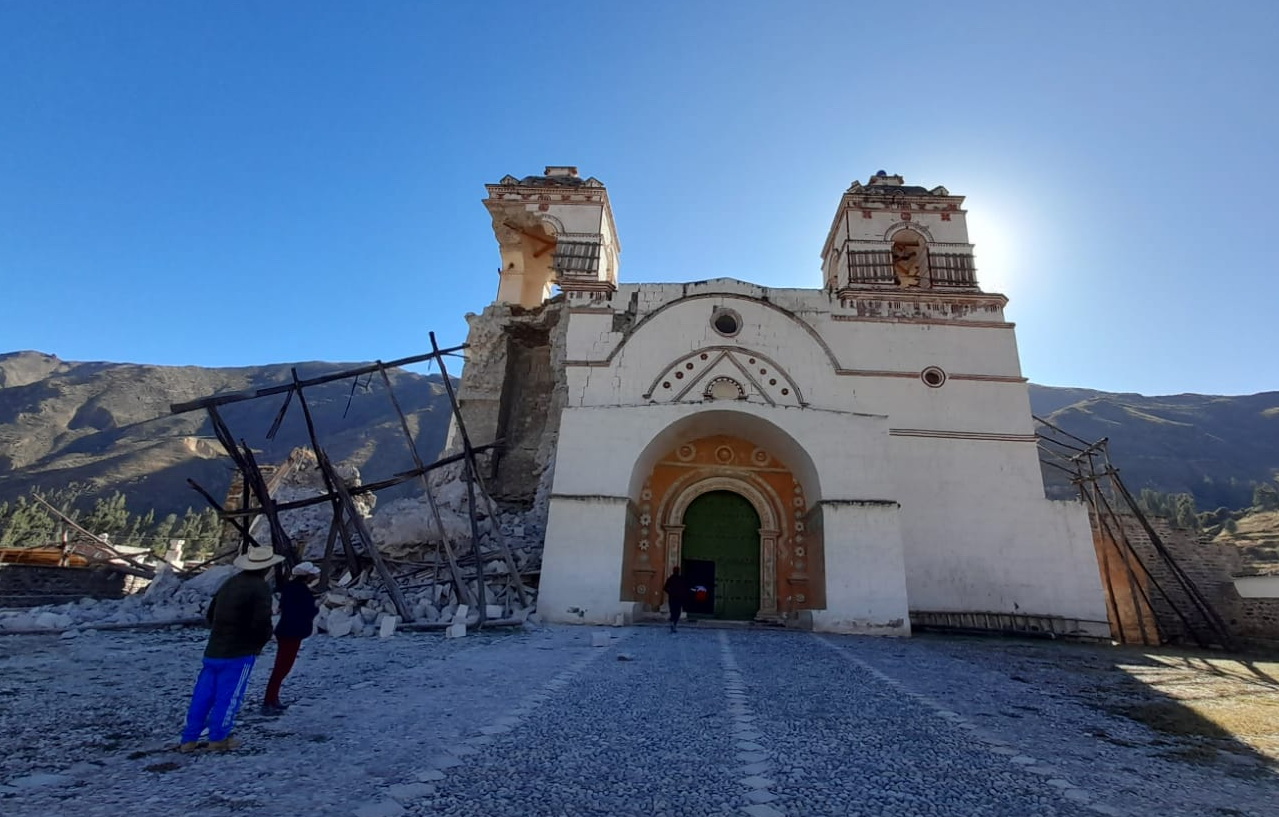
(108, 425)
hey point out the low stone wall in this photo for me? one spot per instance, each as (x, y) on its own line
(34, 585)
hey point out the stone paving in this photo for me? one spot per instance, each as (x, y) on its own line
(701, 722)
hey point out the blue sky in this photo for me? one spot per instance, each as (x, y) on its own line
(242, 183)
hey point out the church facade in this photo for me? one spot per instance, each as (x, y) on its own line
(849, 457)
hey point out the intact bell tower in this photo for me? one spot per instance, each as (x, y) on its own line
(888, 235)
(553, 230)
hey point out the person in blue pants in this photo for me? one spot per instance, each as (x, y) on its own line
(240, 626)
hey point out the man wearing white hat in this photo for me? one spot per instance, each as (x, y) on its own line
(297, 621)
(240, 620)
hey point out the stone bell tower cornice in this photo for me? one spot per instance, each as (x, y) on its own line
(553, 230)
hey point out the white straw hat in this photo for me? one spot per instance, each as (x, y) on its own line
(258, 558)
(305, 569)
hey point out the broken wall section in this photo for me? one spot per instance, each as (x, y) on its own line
(514, 389)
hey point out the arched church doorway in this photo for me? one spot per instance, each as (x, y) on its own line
(721, 554)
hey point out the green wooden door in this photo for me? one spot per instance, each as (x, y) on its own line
(723, 527)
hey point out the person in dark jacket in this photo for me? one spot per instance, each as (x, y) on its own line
(676, 588)
(240, 626)
(297, 621)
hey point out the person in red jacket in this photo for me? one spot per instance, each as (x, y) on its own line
(297, 619)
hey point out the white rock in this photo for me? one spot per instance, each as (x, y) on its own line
(164, 585)
(369, 614)
(210, 581)
(339, 624)
(53, 621)
(493, 611)
(387, 625)
(460, 614)
(456, 630)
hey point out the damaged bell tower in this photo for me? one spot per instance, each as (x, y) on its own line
(553, 230)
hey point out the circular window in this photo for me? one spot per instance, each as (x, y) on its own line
(726, 322)
(933, 377)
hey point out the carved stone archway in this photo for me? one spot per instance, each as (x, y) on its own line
(761, 497)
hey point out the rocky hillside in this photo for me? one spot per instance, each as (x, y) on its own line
(108, 425)
(1216, 448)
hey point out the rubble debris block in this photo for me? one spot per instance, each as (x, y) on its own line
(492, 611)
(340, 624)
(456, 630)
(460, 616)
(386, 628)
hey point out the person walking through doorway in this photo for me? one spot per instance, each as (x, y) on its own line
(676, 588)
(297, 621)
(240, 620)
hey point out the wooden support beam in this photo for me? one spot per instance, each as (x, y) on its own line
(426, 487)
(353, 515)
(471, 475)
(238, 397)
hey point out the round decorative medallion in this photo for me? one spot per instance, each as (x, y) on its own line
(644, 556)
(799, 597)
(704, 356)
(759, 456)
(666, 384)
(799, 526)
(933, 377)
(641, 589)
(785, 391)
(688, 366)
(798, 501)
(799, 551)
(646, 494)
(772, 381)
(679, 375)
(799, 489)
(685, 452)
(643, 545)
(645, 519)
(799, 538)
(724, 454)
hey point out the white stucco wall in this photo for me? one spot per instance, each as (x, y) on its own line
(605, 453)
(974, 532)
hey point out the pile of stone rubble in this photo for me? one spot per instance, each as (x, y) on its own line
(407, 534)
(359, 608)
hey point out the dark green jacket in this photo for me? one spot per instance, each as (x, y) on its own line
(240, 617)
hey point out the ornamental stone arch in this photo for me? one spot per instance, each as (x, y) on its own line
(740, 452)
(757, 492)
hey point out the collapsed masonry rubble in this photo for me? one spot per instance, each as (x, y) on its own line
(417, 559)
(465, 550)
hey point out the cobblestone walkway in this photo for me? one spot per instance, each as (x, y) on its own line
(711, 722)
(643, 723)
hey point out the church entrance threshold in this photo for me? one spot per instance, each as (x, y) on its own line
(721, 554)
